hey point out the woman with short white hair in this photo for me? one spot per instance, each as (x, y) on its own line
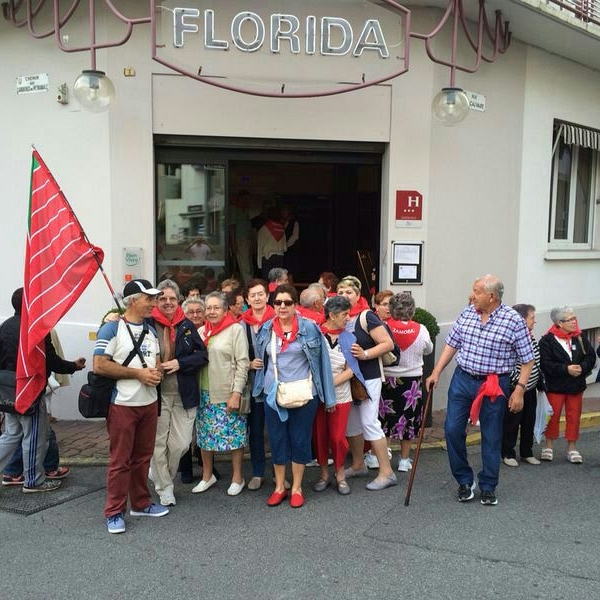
(567, 358)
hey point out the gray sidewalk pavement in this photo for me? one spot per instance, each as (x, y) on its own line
(85, 442)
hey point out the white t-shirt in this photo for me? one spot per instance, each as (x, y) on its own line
(113, 340)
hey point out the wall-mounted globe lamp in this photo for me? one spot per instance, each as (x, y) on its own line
(450, 106)
(94, 90)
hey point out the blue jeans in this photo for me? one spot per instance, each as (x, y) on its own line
(51, 460)
(291, 440)
(462, 392)
(256, 436)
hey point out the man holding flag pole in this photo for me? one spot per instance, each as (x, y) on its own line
(59, 264)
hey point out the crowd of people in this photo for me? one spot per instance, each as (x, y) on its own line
(328, 379)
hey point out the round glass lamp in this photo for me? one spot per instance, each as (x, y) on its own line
(450, 106)
(94, 90)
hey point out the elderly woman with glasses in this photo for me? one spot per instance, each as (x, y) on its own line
(373, 340)
(292, 348)
(566, 359)
(220, 425)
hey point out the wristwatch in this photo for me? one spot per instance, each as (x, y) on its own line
(521, 385)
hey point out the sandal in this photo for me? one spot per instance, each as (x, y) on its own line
(547, 454)
(574, 457)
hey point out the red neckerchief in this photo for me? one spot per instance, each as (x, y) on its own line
(249, 317)
(313, 315)
(325, 330)
(276, 228)
(211, 330)
(404, 332)
(490, 388)
(564, 335)
(361, 305)
(177, 318)
(278, 330)
(273, 286)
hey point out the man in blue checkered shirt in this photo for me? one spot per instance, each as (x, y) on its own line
(487, 339)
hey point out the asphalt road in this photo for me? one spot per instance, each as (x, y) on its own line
(540, 541)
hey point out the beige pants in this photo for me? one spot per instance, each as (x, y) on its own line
(173, 437)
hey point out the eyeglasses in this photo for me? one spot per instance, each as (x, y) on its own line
(284, 302)
(570, 320)
(195, 312)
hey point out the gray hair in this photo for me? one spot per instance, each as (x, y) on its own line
(129, 299)
(319, 286)
(192, 300)
(559, 313)
(170, 284)
(309, 297)
(402, 306)
(277, 273)
(220, 296)
(336, 304)
(492, 285)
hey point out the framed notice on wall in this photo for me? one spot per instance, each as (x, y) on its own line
(407, 262)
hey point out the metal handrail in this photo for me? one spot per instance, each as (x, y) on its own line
(587, 11)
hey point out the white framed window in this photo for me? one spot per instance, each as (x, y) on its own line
(574, 187)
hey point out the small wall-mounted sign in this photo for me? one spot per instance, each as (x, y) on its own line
(409, 208)
(476, 101)
(407, 263)
(31, 84)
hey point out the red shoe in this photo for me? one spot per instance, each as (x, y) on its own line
(60, 473)
(297, 500)
(276, 498)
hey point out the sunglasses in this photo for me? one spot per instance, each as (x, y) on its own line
(284, 302)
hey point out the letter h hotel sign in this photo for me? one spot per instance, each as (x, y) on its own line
(409, 208)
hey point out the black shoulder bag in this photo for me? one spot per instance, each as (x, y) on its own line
(96, 394)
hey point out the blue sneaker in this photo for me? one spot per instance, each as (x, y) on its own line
(116, 523)
(154, 510)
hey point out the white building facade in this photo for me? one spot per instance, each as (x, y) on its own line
(512, 190)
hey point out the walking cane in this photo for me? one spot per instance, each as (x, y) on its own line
(413, 471)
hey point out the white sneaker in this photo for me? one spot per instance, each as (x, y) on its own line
(235, 488)
(371, 461)
(510, 462)
(167, 498)
(405, 465)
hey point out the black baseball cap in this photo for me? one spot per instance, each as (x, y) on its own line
(137, 286)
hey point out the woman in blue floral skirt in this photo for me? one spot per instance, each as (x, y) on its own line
(219, 424)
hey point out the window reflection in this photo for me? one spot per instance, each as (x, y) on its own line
(190, 228)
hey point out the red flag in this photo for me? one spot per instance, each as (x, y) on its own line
(59, 264)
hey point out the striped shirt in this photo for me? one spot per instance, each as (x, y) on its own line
(535, 372)
(493, 347)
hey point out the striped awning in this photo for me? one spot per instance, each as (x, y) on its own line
(580, 136)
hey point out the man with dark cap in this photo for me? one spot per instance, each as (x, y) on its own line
(133, 412)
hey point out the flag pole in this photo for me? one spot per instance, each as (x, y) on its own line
(413, 471)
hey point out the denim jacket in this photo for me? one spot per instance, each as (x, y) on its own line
(314, 346)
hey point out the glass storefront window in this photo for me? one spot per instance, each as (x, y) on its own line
(190, 224)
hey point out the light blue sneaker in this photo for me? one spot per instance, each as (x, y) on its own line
(116, 523)
(154, 510)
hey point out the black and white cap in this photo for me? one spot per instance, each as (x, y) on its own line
(137, 286)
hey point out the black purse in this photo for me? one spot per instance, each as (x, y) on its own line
(95, 396)
(8, 394)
